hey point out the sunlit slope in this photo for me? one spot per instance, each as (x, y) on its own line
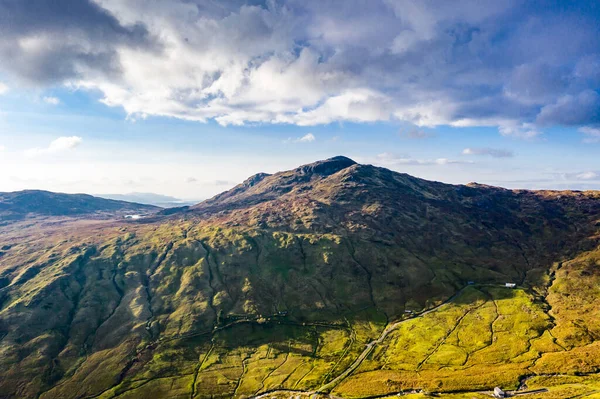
(256, 291)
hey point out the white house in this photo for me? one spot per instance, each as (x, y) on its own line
(510, 285)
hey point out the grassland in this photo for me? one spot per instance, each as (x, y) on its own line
(485, 337)
(179, 345)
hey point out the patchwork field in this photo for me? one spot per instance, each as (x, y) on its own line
(486, 336)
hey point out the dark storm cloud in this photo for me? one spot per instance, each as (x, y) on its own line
(52, 40)
(572, 110)
(515, 64)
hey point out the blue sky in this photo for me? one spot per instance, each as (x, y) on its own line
(107, 96)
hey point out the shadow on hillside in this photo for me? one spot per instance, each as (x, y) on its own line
(478, 292)
(305, 338)
(276, 335)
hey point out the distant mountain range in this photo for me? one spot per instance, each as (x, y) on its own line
(19, 204)
(163, 201)
(333, 279)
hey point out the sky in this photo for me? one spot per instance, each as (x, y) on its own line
(189, 97)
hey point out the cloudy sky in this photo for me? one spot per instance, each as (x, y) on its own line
(188, 97)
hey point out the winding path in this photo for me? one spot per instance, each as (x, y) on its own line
(369, 347)
(326, 388)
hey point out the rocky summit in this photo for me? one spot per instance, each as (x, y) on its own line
(332, 279)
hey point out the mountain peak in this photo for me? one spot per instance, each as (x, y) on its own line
(265, 187)
(255, 179)
(326, 167)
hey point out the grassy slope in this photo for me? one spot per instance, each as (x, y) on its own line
(460, 346)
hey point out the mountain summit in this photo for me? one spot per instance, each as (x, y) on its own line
(338, 194)
(265, 187)
(326, 167)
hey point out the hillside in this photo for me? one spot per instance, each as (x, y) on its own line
(19, 204)
(336, 277)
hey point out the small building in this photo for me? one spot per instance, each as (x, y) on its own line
(510, 285)
(471, 283)
(499, 393)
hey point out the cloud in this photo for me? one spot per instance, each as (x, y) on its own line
(48, 42)
(2, 148)
(59, 145)
(586, 176)
(572, 110)
(492, 152)
(526, 131)
(391, 159)
(415, 133)
(217, 183)
(223, 183)
(519, 66)
(3, 88)
(307, 138)
(51, 100)
(592, 135)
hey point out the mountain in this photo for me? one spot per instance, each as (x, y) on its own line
(163, 201)
(18, 204)
(334, 277)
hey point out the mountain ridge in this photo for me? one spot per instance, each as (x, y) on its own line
(276, 183)
(19, 204)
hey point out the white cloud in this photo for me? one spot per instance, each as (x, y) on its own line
(587, 176)
(51, 100)
(389, 160)
(517, 130)
(2, 148)
(307, 138)
(581, 176)
(3, 88)
(210, 183)
(492, 152)
(310, 62)
(592, 134)
(61, 144)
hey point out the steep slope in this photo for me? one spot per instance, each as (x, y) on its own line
(19, 204)
(280, 283)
